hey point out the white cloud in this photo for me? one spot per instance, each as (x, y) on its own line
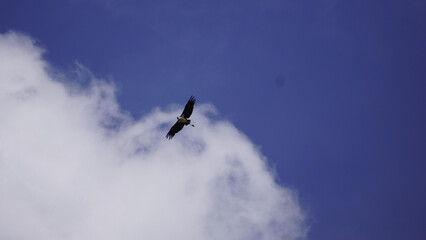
(74, 166)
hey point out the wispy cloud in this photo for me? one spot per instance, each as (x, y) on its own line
(75, 166)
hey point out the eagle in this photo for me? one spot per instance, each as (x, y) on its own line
(183, 119)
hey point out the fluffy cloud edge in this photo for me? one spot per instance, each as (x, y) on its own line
(79, 140)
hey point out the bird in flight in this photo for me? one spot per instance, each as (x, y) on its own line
(183, 119)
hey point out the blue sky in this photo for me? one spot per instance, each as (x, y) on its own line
(332, 92)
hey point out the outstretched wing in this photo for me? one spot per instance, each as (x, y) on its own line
(188, 108)
(176, 128)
